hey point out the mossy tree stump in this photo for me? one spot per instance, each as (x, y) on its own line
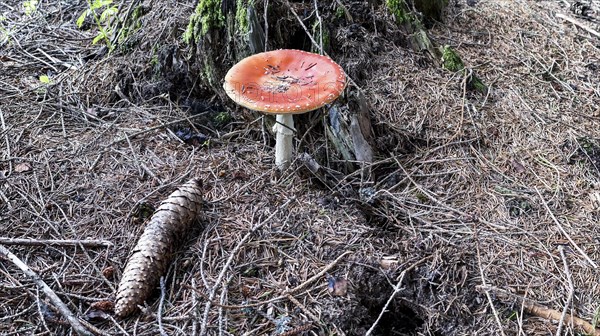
(219, 33)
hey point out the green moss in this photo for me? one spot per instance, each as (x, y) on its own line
(208, 72)
(421, 197)
(132, 24)
(155, 63)
(242, 26)
(450, 59)
(138, 12)
(339, 12)
(222, 118)
(154, 60)
(208, 15)
(452, 62)
(326, 39)
(400, 11)
(477, 84)
(316, 35)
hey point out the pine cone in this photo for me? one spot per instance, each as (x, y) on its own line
(152, 254)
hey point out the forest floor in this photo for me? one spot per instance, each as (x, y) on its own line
(481, 217)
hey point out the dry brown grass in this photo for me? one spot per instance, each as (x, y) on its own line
(473, 203)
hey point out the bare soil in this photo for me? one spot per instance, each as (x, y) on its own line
(477, 206)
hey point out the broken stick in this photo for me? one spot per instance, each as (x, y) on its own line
(55, 242)
(546, 313)
(579, 24)
(54, 299)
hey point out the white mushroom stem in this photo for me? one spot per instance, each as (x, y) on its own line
(284, 128)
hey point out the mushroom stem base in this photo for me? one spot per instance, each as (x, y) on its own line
(284, 128)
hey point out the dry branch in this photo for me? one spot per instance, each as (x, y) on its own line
(303, 308)
(318, 275)
(546, 313)
(579, 24)
(55, 242)
(561, 250)
(151, 255)
(54, 299)
(487, 294)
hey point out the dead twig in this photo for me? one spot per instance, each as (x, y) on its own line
(160, 306)
(100, 332)
(487, 293)
(7, 155)
(385, 307)
(531, 307)
(397, 288)
(243, 306)
(318, 275)
(150, 129)
(135, 134)
(297, 330)
(286, 293)
(320, 25)
(55, 242)
(303, 308)
(54, 299)
(562, 230)
(578, 24)
(196, 304)
(265, 17)
(561, 250)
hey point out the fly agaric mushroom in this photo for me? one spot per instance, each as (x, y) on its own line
(284, 82)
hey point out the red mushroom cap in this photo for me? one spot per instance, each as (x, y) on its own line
(285, 81)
